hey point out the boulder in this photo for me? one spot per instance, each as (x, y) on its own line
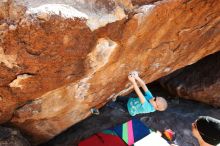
(58, 59)
(200, 81)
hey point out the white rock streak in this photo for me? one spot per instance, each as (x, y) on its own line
(95, 17)
(81, 88)
(17, 83)
(143, 12)
(100, 19)
(63, 10)
(100, 56)
(8, 60)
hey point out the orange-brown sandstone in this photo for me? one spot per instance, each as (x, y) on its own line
(59, 59)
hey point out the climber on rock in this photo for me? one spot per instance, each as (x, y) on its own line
(144, 103)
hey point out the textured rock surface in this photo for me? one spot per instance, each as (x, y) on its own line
(200, 81)
(178, 117)
(60, 58)
(12, 137)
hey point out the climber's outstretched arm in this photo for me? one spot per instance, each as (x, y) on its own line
(141, 82)
(136, 88)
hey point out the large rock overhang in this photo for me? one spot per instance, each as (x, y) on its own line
(59, 59)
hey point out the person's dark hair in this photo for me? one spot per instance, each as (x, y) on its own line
(209, 129)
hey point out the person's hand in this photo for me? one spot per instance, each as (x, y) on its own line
(173, 145)
(131, 78)
(134, 74)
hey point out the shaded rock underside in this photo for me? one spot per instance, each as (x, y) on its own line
(200, 81)
(12, 137)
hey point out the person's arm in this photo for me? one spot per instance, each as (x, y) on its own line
(148, 95)
(136, 88)
(142, 83)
